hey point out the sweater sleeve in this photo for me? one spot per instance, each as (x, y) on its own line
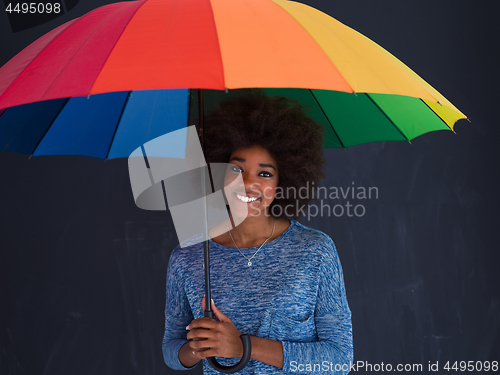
(178, 315)
(333, 352)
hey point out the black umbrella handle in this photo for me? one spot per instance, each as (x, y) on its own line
(247, 349)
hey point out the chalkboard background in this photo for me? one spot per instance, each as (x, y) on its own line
(82, 269)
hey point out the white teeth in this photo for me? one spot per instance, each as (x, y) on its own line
(246, 199)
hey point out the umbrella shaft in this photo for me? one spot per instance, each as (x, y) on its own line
(206, 260)
(206, 251)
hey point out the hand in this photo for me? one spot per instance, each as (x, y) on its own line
(214, 339)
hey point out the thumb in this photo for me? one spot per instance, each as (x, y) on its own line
(218, 314)
(203, 305)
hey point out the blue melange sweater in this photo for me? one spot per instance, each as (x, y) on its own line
(293, 293)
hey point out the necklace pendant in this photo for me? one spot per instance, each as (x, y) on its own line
(249, 263)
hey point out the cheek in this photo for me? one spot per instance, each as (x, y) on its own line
(233, 183)
(232, 178)
(269, 192)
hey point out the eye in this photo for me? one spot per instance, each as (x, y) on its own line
(265, 174)
(236, 169)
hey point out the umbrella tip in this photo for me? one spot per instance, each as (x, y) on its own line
(454, 132)
(30, 156)
(440, 103)
(354, 92)
(409, 142)
(227, 90)
(468, 119)
(88, 96)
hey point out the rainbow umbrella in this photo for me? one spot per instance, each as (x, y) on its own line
(106, 83)
(358, 90)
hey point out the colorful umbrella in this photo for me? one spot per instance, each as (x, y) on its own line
(359, 91)
(85, 79)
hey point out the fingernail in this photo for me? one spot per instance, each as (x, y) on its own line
(212, 301)
(187, 327)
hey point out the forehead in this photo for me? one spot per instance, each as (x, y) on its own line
(254, 154)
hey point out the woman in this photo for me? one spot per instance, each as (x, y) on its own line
(272, 277)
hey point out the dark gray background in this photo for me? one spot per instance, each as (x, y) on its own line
(83, 270)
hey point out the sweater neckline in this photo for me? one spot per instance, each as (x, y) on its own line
(276, 240)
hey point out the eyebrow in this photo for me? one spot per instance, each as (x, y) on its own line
(260, 164)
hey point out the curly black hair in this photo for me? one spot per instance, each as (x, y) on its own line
(282, 127)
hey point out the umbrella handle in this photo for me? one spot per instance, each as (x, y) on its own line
(247, 348)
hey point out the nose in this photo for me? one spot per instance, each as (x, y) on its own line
(250, 182)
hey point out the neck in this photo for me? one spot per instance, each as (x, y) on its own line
(253, 230)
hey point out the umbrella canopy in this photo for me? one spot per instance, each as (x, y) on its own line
(89, 81)
(113, 125)
(359, 91)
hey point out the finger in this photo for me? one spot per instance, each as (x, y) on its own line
(207, 323)
(218, 314)
(196, 354)
(198, 346)
(208, 353)
(203, 318)
(202, 345)
(200, 334)
(195, 349)
(203, 303)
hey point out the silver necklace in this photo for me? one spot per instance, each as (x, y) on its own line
(250, 259)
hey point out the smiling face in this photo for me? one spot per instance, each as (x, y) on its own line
(259, 172)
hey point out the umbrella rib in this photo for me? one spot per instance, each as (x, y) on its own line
(67, 24)
(112, 49)
(387, 117)
(81, 46)
(48, 128)
(327, 119)
(117, 125)
(220, 55)
(427, 105)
